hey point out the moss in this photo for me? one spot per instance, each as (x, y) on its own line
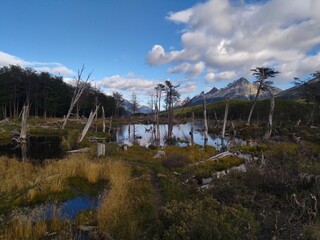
(253, 150)
(205, 169)
(195, 153)
(83, 186)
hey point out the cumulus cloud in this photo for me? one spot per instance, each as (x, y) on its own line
(231, 39)
(189, 87)
(51, 67)
(193, 70)
(220, 76)
(127, 83)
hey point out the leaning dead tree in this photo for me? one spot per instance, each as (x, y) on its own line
(225, 121)
(80, 86)
(262, 74)
(89, 122)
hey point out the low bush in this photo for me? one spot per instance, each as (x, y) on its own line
(206, 219)
(175, 160)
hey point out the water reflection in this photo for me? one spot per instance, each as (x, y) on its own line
(144, 134)
(37, 149)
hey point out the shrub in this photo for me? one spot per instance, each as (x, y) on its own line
(206, 219)
(175, 160)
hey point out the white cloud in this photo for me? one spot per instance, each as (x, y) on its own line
(233, 39)
(189, 87)
(127, 83)
(51, 67)
(7, 59)
(220, 76)
(180, 17)
(193, 70)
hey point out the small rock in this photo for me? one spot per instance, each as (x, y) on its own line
(160, 154)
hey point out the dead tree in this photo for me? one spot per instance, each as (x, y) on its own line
(205, 122)
(80, 86)
(103, 120)
(192, 130)
(89, 122)
(270, 118)
(225, 120)
(262, 74)
(110, 124)
(25, 114)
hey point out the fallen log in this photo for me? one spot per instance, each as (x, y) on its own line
(81, 150)
(5, 121)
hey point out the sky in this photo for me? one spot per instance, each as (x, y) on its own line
(132, 45)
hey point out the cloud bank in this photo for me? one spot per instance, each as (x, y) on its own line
(50, 67)
(229, 40)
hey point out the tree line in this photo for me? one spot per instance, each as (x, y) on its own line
(48, 95)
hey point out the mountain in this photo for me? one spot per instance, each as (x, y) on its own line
(141, 109)
(297, 92)
(239, 89)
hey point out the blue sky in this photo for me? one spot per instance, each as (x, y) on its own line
(133, 45)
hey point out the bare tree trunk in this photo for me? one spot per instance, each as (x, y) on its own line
(192, 130)
(101, 149)
(270, 118)
(205, 123)
(103, 120)
(25, 114)
(79, 88)
(24, 150)
(89, 122)
(110, 124)
(253, 105)
(170, 121)
(157, 127)
(225, 120)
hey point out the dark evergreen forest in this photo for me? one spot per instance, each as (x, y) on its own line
(48, 95)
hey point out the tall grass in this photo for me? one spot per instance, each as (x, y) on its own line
(127, 206)
(34, 224)
(15, 175)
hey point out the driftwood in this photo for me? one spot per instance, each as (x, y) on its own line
(96, 139)
(5, 121)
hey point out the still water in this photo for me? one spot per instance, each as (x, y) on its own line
(144, 134)
(37, 148)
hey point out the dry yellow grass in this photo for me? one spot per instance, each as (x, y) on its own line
(15, 175)
(119, 212)
(33, 225)
(123, 209)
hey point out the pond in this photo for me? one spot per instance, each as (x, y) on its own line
(37, 148)
(144, 134)
(72, 207)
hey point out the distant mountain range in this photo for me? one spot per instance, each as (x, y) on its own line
(239, 89)
(141, 109)
(297, 92)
